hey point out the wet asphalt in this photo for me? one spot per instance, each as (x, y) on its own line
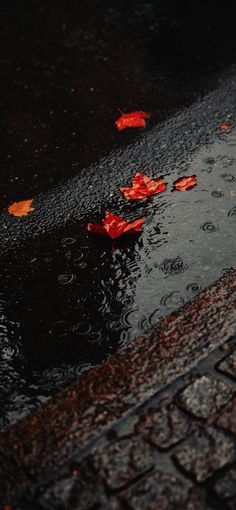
(67, 300)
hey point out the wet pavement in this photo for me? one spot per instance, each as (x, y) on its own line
(56, 326)
(177, 452)
(60, 147)
(156, 423)
(139, 360)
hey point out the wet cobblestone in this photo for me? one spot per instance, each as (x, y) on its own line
(122, 461)
(159, 490)
(165, 427)
(204, 453)
(176, 451)
(76, 490)
(228, 365)
(158, 457)
(197, 501)
(205, 396)
(227, 418)
(225, 489)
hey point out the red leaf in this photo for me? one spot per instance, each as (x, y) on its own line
(225, 126)
(22, 208)
(143, 187)
(132, 119)
(114, 226)
(184, 183)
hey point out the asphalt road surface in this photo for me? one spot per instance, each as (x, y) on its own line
(67, 300)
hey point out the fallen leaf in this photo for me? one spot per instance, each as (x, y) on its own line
(132, 119)
(144, 187)
(114, 226)
(224, 126)
(184, 183)
(21, 208)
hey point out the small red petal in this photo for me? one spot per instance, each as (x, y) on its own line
(143, 187)
(22, 208)
(132, 119)
(185, 183)
(140, 180)
(224, 126)
(114, 226)
(134, 193)
(135, 226)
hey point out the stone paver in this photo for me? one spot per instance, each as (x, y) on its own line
(228, 365)
(127, 472)
(165, 427)
(227, 418)
(205, 396)
(225, 488)
(77, 490)
(197, 501)
(205, 452)
(122, 461)
(159, 490)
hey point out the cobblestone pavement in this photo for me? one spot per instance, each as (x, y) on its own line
(153, 428)
(176, 451)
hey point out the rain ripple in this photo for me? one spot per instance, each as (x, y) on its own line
(193, 287)
(172, 300)
(209, 227)
(173, 266)
(232, 212)
(55, 377)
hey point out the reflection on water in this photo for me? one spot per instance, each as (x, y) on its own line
(69, 308)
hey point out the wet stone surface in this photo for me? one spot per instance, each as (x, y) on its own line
(228, 365)
(205, 396)
(75, 491)
(205, 452)
(225, 488)
(165, 427)
(124, 461)
(160, 490)
(157, 457)
(198, 501)
(227, 418)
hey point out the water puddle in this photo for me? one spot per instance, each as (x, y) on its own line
(71, 301)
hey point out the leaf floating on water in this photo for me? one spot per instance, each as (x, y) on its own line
(114, 226)
(22, 208)
(144, 187)
(132, 120)
(225, 126)
(185, 183)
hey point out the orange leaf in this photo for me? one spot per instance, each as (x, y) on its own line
(114, 226)
(21, 208)
(143, 187)
(224, 126)
(132, 119)
(184, 183)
